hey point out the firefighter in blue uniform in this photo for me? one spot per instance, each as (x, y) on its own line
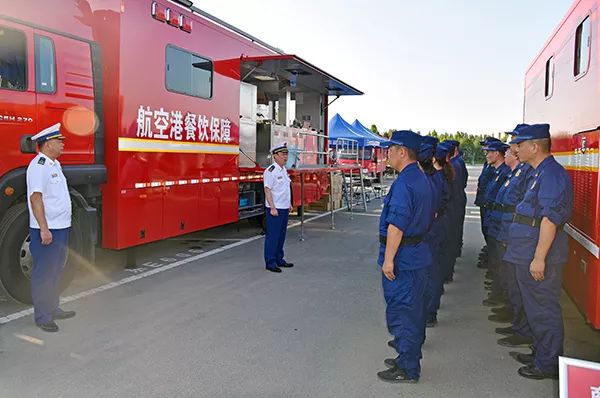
(495, 151)
(459, 161)
(49, 206)
(437, 235)
(278, 202)
(500, 217)
(484, 177)
(538, 248)
(404, 257)
(456, 209)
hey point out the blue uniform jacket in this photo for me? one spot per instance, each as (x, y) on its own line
(499, 177)
(440, 202)
(482, 181)
(549, 194)
(409, 207)
(510, 194)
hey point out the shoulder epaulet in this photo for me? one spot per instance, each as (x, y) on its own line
(42, 161)
(271, 168)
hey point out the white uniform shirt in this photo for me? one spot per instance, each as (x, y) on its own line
(277, 180)
(45, 175)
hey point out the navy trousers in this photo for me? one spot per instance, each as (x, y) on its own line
(544, 315)
(275, 237)
(48, 264)
(519, 321)
(435, 285)
(405, 316)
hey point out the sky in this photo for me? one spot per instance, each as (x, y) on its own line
(448, 65)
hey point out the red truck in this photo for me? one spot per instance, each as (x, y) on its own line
(169, 115)
(561, 88)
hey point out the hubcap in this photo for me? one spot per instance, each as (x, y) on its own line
(25, 259)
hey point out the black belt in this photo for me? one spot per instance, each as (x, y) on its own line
(406, 240)
(535, 222)
(503, 208)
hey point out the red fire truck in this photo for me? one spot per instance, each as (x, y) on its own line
(561, 88)
(169, 115)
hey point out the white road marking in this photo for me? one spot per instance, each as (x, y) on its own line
(367, 214)
(29, 339)
(133, 278)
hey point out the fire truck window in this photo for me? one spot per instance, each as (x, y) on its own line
(582, 47)
(188, 73)
(13, 59)
(549, 87)
(45, 65)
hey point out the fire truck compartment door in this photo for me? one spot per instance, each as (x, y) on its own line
(65, 92)
(17, 93)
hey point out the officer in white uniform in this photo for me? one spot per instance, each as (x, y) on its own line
(49, 224)
(278, 202)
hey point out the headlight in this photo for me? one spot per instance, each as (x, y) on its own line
(365, 170)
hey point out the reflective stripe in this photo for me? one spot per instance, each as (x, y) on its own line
(141, 145)
(578, 161)
(583, 241)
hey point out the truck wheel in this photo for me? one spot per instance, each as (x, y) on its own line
(16, 262)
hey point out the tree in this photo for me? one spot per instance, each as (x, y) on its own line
(374, 129)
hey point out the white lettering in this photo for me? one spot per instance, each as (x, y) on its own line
(190, 127)
(176, 125)
(144, 122)
(161, 122)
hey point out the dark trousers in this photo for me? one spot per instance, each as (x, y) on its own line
(519, 321)
(48, 264)
(435, 285)
(543, 312)
(496, 252)
(275, 237)
(405, 316)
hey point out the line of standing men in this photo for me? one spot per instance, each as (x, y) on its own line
(526, 197)
(420, 234)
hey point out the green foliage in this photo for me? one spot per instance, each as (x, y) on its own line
(374, 129)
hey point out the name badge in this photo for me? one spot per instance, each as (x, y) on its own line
(280, 178)
(55, 175)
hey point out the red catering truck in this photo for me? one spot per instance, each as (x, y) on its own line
(562, 88)
(169, 115)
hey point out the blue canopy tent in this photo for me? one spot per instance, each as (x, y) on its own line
(360, 127)
(341, 129)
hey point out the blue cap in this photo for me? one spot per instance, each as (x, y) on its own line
(430, 140)
(441, 152)
(496, 146)
(533, 132)
(426, 151)
(518, 128)
(50, 133)
(487, 140)
(454, 143)
(450, 145)
(406, 138)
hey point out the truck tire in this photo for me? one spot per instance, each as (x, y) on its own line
(15, 258)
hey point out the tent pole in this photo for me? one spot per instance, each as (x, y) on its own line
(302, 207)
(331, 199)
(362, 187)
(351, 196)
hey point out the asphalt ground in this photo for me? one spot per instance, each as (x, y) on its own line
(202, 318)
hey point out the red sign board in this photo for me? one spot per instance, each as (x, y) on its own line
(579, 379)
